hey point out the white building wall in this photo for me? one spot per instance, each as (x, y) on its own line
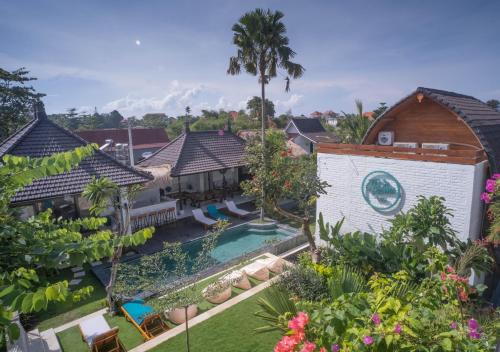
(460, 185)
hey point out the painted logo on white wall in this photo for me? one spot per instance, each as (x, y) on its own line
(381, 191)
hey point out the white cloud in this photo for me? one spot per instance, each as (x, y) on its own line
(173, 100)
(293, 101)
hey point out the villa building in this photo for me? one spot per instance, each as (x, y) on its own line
(145, 141)
(432, 142)
(307, 133)
(42, 137)
(194, 167)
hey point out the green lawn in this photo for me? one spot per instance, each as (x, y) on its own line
(59, 313)
(71, 340)
(229, 331)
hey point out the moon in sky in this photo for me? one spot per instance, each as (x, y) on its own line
(138, 42)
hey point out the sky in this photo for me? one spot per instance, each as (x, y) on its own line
(160, 56)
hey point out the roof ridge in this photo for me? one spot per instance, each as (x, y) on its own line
(179, 152)
(162, 148)
(444, 92)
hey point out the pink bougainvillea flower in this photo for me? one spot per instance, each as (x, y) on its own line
(485, 197)
(495, 176)
(490, 185)
(335, 348)
(308, 347)
(398, 328)
(475, 335)
(299, 322)
(450, 269)
(443, 276)
(472, 324)
(322, 349)
(454, 325)
(368, 340)
(376, 319)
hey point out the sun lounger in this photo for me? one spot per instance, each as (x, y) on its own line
(178, 315)
(217, 293)
(257, 270)
(237, 278)
(201, 218)
(99, 336)
(233, 209)
(274, 264)
(144, 319)
(213, 212)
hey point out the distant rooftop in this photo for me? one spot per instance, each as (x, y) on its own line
(141, 137)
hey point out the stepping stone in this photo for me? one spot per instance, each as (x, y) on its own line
(96, 263)
(76, 268)
(75, 282)
(79, 274)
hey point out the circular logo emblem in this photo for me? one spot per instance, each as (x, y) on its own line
(381, 191)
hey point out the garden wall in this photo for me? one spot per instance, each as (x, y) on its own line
(460, 185)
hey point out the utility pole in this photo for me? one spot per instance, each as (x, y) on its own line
(130, 147)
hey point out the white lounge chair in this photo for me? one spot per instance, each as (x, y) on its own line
(93, 327)
(232, 208)
(201, 218)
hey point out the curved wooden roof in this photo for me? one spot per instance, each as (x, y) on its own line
(481, 119)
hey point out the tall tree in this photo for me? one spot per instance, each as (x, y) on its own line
(285, 178)
(493, 103)
(262, 49)
(353, 127)
(254, 106)
(380, 110)
(16, 100)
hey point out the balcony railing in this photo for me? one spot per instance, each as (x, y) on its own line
(453, 156)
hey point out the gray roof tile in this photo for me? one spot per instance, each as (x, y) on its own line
(40, 138)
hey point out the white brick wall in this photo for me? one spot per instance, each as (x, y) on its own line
(460, 185)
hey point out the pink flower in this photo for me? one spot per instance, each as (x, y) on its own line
(472, 324)
(495, 176)
(450, 269)
(453, 325)
(398, 328)
(308, 347)
(473, 334)
(368, 340)
(443, 276)
(376, 319)
(335, 348)
(490, 185)
(299, 322)
(286, 344)
(485, 197)
(322, 349)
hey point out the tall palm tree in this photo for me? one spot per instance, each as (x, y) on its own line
(262, 49)
(353, 127)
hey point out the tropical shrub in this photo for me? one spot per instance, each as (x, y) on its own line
(304, 282)
(394, 315)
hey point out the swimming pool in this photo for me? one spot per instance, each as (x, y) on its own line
(235, 242)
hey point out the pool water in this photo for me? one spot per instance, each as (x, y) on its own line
(238, 241)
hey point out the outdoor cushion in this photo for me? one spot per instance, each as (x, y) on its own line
(138, 310)
(92, 327)
(275, 264)
(213, 212)
(257, 270)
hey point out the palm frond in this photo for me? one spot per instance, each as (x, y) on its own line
(276, 308)
(345, 280)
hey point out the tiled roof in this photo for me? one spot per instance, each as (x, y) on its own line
(322, 137)
(305, 125)
(481, 118)
(141, 137)
(40, 138)
(200, 151)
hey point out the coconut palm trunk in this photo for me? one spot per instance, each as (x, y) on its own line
(263, 136)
